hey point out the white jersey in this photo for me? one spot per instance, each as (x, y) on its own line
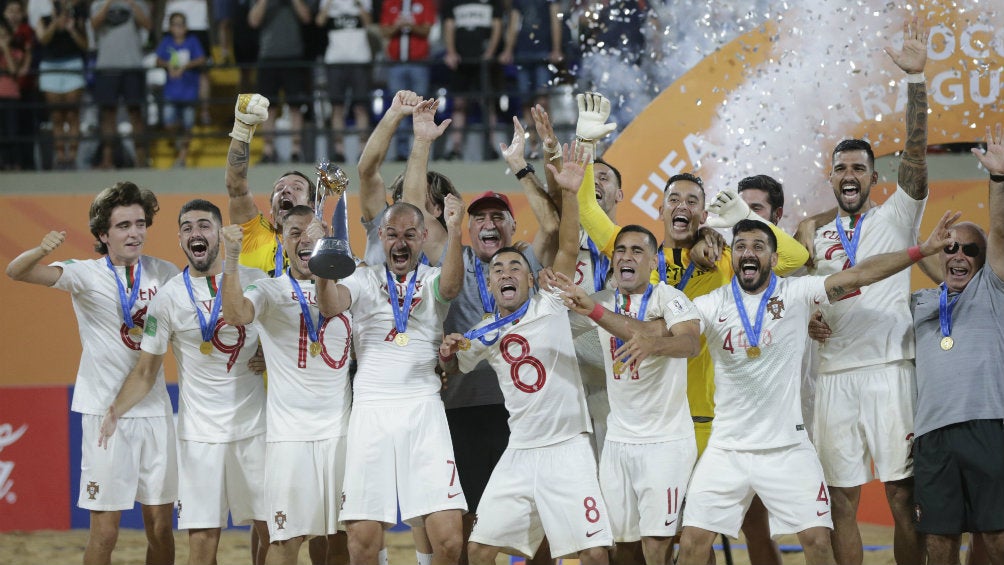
(219, 398)
(388, 371)
(109, 352)
(535, 363)
(757, 400)
(648, 402)
(873, 325)
(308, 396)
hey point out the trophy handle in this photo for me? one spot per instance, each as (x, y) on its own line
(332, 256)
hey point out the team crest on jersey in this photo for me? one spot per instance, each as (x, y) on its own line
(150, 327)
(92, 490)
(280, 520)
(775, 306)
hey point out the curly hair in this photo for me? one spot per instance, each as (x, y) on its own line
(124, 193)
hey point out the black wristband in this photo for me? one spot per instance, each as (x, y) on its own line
(524, 171)
(993, 177)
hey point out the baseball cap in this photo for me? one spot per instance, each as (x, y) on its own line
(490, 197)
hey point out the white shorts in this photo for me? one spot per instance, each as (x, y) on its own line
(862, 418)
(303, 487)
(644, 485)
(221, 478)
(550, 491)
(789, 480)
(399, 453)
(139, 465)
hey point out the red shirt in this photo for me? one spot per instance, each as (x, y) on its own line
(408, 47)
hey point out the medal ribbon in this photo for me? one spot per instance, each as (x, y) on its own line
(851, 245)
(400, 312)
(279, 262)
(601, 265)
(641, 309)
(752, 333)
(478, 333)
(305, 308)
(689, 272)
(945, 311)
(214, 315)
(487, 300)
(126, 303)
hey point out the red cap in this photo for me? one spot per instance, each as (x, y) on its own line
(490, 197)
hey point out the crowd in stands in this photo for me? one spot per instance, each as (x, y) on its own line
(91, 84)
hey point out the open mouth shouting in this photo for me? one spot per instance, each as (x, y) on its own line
(399, 257)
(199, 247)
(850, 192)
(627, 274)
(957, 273)
(490, 238)
(749, 272)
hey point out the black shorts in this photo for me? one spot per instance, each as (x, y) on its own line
(349, 83)
(480, 435)
(286, 75)
(129, 86)
(467, 82)
(959, 478)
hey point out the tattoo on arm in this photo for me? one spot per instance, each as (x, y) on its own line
(836, 292)
(913, 164)
(238, 157)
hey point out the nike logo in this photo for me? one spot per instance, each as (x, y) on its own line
(453, 494)
(721, 319)
(670, 522)
(818, 513)
(591, 534)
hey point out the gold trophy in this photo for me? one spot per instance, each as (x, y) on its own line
(332, 257)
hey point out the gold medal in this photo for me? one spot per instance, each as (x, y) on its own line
(464, 344)
(947, 342)
(135, 331)
(206, 348)
(315, 348)
(753, 352)
(487, 316)
(618, 367)
(402, 339)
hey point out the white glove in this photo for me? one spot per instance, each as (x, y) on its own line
(594, 110)
(250, 110)
(730, 209)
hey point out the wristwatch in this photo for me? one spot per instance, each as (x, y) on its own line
(524, 171)
(993, 177)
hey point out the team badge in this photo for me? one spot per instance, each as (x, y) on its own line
(280, 520)
(92, 489)
(775, 306)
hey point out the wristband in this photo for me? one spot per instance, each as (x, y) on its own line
(524, 171)
(597, 313)
(996, 178)
(915, 78)
(447, 359)
(242, 132)
(914, 253)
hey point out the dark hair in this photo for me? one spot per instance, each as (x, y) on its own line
(184, 18)
(617, 174)
(768, 184)
(635, 228)
(398, 207)
(856, 145)
(756, 225)
(202, 206)
(124, 193)
(687, 177)
(312, 194)
(511, 249)
(298, 210)
(439, 186)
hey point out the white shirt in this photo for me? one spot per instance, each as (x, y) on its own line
(386, 370)
(588, 348)
(308, 396)
(535, 363)
(347, 40)
(109, 352)
(874, 325)
(757, 400)
(648, 402)
(219, 398)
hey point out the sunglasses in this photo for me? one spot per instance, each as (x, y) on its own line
(969, 249)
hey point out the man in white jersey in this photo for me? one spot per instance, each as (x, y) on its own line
(398, 448)
(110, 297)
(650, 446)
(309, 392)
(866, 384)
(755, 330)
(545, 483)
(221, 402)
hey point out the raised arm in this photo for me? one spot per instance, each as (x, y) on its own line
(992, 158)
(135, 387)
(912, 59)
(552, 151)
(237, 309)
(27, 266)
(372, 190)
(451, 279)
(569, 179)
(416, 182)
(545, 241)
(250, 110)
(878, 267)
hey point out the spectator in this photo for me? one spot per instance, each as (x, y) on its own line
(405, 24)
(182, 55)
(62, 36)
(10, 97)
(23, 39)
(232, 21)
(348, 59)
(196, 14)
(281, 65)
(119, 76)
